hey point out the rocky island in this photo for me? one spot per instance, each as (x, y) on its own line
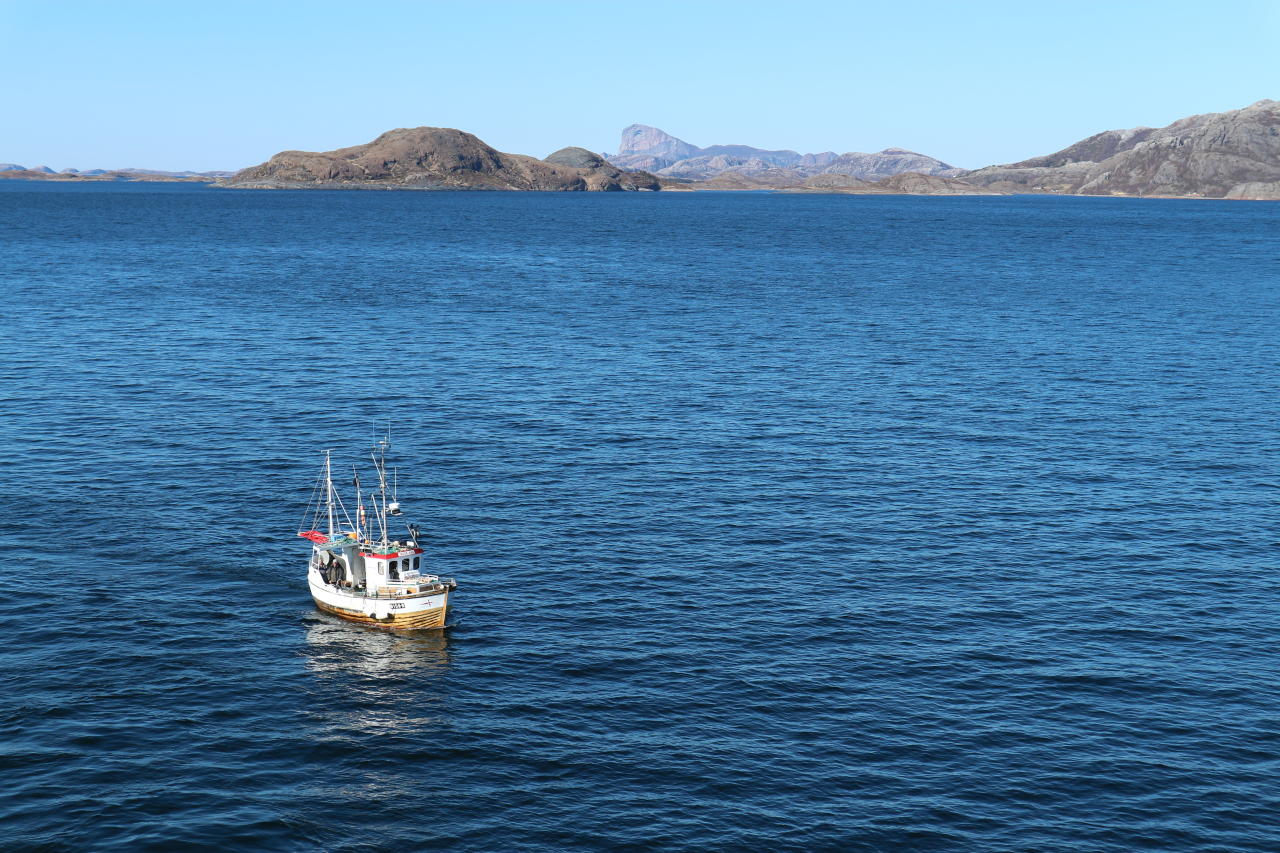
(438, 158)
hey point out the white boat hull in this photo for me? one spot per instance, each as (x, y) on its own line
(400, 611)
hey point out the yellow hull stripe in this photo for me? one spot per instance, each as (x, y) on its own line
(419, 619)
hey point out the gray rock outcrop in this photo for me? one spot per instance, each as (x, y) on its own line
(1233, 154)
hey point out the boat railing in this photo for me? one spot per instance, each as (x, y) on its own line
(400, 592)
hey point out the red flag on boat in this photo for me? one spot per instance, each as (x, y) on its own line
(315, 536)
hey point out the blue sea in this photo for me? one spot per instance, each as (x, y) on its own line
(780, 522)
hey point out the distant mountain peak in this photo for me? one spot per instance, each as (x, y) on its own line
(651, 141)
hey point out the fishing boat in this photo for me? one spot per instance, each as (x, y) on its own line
(358, 570)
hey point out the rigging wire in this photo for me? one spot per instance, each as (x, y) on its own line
(311, 501)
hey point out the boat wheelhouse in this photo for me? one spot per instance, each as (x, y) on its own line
(358, 570)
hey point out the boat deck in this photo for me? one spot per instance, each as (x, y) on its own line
(397, 591)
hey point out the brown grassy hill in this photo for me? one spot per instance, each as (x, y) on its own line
(437, 158)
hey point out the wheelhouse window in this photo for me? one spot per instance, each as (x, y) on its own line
(417, 562)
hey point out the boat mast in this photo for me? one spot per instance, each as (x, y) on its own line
(328, 491)
(380, 463)
(359, 525)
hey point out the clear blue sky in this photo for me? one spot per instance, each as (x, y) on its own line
(224, 85)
